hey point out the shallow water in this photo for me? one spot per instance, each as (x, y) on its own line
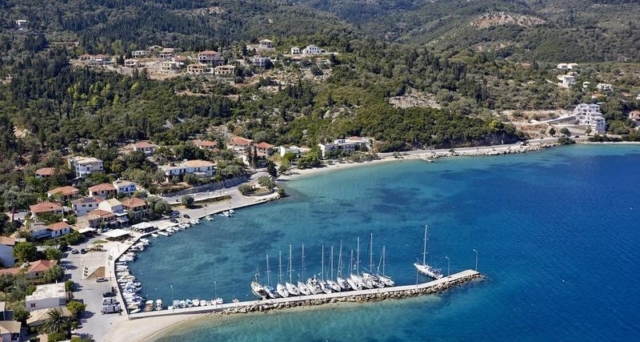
(556, 234)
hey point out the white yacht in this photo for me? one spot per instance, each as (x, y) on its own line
(424, 268)
(159, 306)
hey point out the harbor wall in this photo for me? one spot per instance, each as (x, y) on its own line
(396, 292)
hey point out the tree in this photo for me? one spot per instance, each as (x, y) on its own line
(53, 274)
(552, 131)
(68, 285)
(271, 169)
(53, 253)
(187, 201)
(20, 313)
(76, 308)
(565, 131)
(24, 251)
(588, 131)
(266, 182)
(57, 322)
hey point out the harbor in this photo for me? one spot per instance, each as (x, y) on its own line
(395, 292)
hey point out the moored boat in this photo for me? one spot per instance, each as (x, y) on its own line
(424, 268)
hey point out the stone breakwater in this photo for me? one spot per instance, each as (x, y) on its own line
(362, 296)
(484, 151)
(355, 298)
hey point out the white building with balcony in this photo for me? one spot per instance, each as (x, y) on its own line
(201, 168)
(85, 166)
(590, 115)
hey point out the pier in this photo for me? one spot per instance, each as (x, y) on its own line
(396, 292)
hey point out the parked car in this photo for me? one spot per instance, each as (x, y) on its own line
(107, 309)
(83, 251)
(74, 251)
(173, 220)
(186, 216)
(175, 213)
(101, 280)
(108, 295)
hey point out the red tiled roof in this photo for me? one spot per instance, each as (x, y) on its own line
(240, 141)
(100, 213)
(45, 207)
(7, 241)
(144, 144)
(41, 265)
(133, 202)
(59, 226)
(264, 145)
(102, 187)
(45, 171)
(208, 52)
(205, 143)
(64, 191)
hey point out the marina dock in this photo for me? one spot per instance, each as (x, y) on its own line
(396, 292)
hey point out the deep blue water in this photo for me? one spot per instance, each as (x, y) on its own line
(556, 233)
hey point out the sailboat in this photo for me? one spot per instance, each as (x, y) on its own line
(330, 282)
(292, 289)
(344, 286)
(271, 292)
(258, 289)
(424, 268)
(370, 279)
(281, 289)
(301, 286)
(384, 279)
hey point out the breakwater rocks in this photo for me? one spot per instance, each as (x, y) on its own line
(483, 151)
(365, 296)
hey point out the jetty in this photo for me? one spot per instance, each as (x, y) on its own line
(395, 292)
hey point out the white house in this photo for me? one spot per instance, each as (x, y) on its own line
(47, 296)
(567, 80)
(116, 208)
(138, 53)
(348, 145)
(59, 229)
(312, 50)
(102, 190)
(84, 166)
(131, 63)
(590, 116)
(604, 87)
(210, 58)
(39, 231)
(266, 44)
(125, 187)
(6, 250)
(146, 147)
(291, 149)
(295, 50)
(261, 62)
(10, 331)
(85, 205)
(201, 168)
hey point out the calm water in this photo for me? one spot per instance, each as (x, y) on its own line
(556, 234)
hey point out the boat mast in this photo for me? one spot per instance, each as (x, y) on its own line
(351, 262)
(290, 270)
(331, 260)
(371, 254)
(384, 258)
(302, 267)
(424, 248)
(268, 272)
(322, 263)
(358, 256)
(280, 267)
(340, 266)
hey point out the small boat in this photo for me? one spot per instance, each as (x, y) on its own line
(304, 290)
(163, 233)
(176, 304)
(344, 285)
(209, 218)
(145, 241)
(271, 292)
(424, 268)
(226, 213)
(193, 222)
(324, 287)
(155, 235)
(208, 303)
(353, 284)
(231, 211)
(312, 285)
(196, 302)
(135, 311)
(218, 301)
(282, 291)
(333, 285)
(183, 304)
(258, 290)
(189, 303)
(292, 289)
(159, 306)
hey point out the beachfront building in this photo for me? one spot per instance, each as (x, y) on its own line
(135, 205)
(103, 191)
(31, 270)
(290, 149)
(99, 217)
(200, 168)
(264, 149)
(39, 231)
(84, 166)
(347, 145)
(125, 187)
(117, 209)
(6, 250)
(590, 115)
(65, 193)
(48, 296)
(84, 205)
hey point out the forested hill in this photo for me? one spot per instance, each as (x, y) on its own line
(543, 30)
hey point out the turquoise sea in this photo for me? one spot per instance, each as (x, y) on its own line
(556, 231)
